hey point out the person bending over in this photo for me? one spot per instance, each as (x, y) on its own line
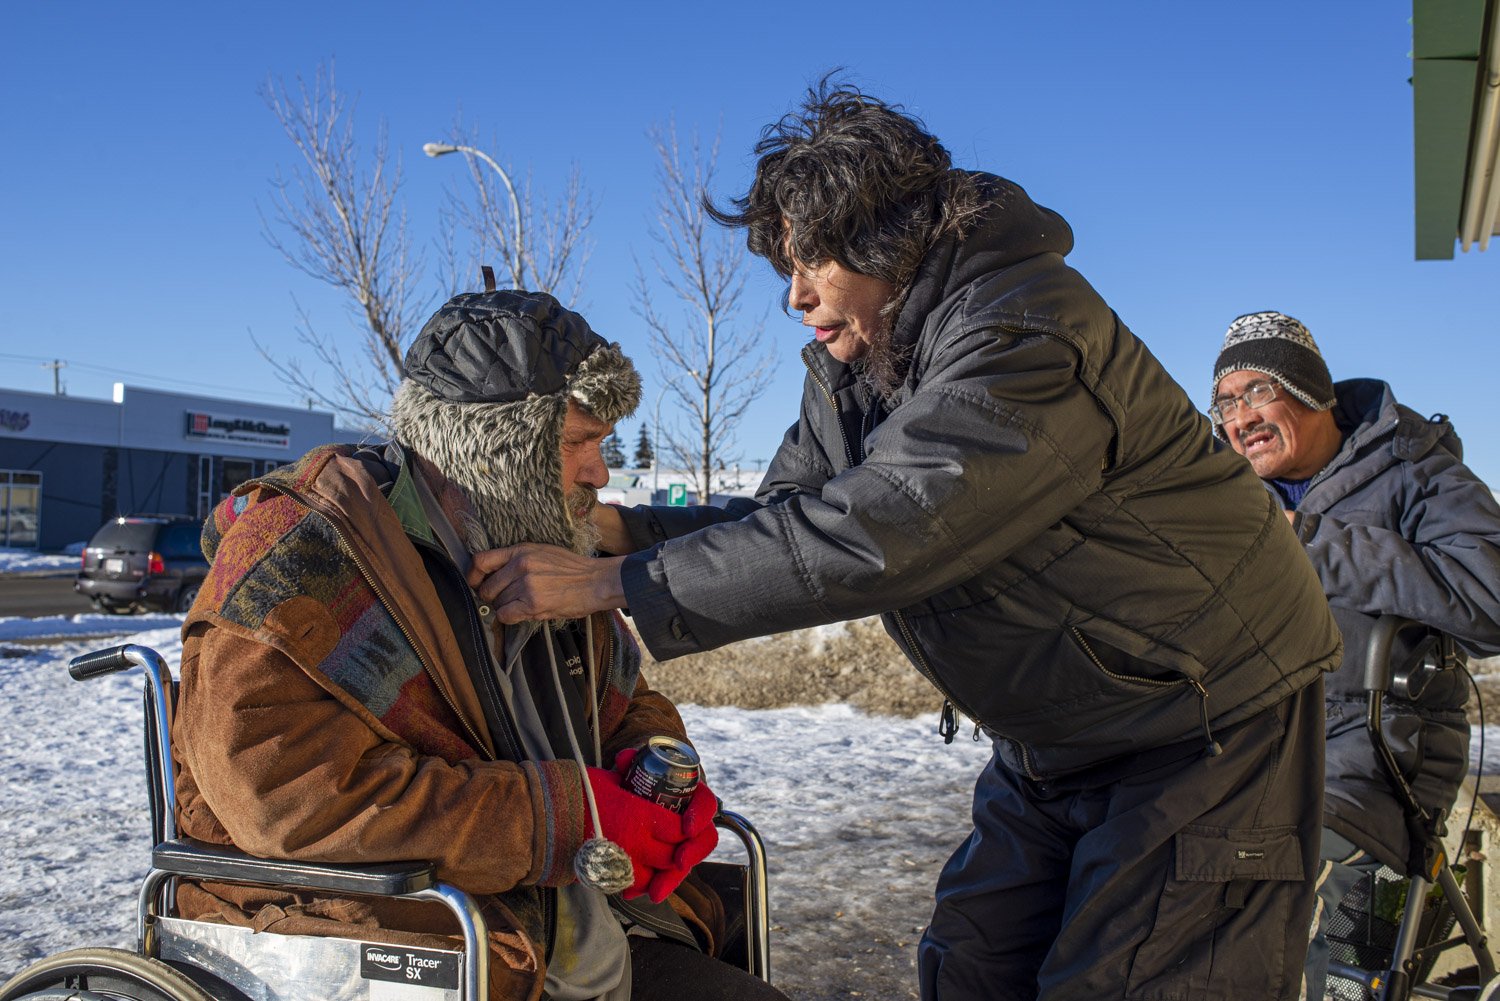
(987, 456)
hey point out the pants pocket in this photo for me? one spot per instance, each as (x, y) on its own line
(1223, 927)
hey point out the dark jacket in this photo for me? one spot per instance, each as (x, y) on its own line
(1397, 524)
(1058, 541)
(334, 708)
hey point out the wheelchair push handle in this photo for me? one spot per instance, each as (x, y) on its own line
(1429, 654)
(102, 662)
(1378, 668)
(1381, 670)
(161, 775)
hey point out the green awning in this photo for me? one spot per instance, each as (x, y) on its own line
(1455, 150)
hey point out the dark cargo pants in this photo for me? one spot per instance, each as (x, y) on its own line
(1178, 880)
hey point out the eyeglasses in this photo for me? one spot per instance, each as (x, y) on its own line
(1255, 397)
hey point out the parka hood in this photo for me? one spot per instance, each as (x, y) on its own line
(1012, 229)
(1367, 407)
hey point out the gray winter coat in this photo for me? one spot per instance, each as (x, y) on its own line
(1396, 523)
(1057, 540)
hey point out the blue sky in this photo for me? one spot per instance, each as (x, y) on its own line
(1213, 159)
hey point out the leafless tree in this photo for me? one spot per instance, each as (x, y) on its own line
(538, 244)
(714, 366)
(339, 221)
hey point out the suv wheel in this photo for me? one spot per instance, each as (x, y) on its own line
(187, 596)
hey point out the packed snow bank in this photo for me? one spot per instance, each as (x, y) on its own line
(27, 560)
(84, 624)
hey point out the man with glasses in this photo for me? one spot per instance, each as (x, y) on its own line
(1394, 523)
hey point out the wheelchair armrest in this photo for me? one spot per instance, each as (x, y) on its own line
(185, 857)
(757, 902)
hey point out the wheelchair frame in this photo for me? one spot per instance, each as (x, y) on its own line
(174, 857)
(1402, 977)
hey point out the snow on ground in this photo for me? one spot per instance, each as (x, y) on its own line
(25, 560)
(858, 813)
(74, 834)
(83, 624)
(1486, 738)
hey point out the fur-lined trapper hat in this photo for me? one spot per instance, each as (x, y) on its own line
(484, 397)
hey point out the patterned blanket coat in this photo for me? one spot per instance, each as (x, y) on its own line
(326, 714)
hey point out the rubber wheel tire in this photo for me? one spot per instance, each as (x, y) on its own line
(109, 972)
(187, 596)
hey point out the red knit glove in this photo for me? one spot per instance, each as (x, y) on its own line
(692, 840)
(649, 832)
(699, 838)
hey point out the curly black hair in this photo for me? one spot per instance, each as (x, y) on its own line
(852, 179)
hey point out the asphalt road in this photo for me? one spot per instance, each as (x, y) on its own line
(40, 594)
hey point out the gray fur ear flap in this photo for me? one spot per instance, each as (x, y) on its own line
(606, 384)
(505, 457)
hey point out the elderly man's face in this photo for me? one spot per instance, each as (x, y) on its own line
(842, 306)
(1284, 440)
(583, 467)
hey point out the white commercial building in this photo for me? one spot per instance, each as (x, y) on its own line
(68, 464)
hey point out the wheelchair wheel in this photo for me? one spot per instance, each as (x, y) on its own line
(101, 975)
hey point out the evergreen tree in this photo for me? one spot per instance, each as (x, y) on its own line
(644, 456)
(614, 451)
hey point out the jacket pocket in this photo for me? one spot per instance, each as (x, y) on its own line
(1133, 653)
(1114, 665)
(1224, 917)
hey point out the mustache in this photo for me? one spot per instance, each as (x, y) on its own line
(582, 498)
(1271, 429)
(585, 532)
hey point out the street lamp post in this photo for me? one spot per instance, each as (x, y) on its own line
(518, 260)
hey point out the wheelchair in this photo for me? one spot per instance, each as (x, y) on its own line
(182, 960)
(1392, 928)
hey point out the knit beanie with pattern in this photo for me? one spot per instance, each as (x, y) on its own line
(1281, 347)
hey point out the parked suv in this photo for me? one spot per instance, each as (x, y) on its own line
(146, 561)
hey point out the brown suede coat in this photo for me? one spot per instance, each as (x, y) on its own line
(276, 758)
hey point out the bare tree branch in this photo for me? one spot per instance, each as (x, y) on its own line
(713, 366)
(543, 245)
(341, 224)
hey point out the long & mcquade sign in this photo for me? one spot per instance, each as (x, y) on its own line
(251, 430)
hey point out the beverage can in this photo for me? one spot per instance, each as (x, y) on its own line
(665, 771)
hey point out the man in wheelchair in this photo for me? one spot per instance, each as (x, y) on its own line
(1395, 524)
(345, 698)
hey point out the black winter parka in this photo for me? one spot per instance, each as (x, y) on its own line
(1397, 524)
(1054, 536)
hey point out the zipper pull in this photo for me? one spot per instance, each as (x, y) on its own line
(975, 738)
(1212, 749)
(947, 722)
